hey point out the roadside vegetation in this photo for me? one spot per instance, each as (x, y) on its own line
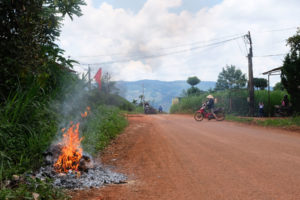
(40, 94)
(234, 102)
(291, 123)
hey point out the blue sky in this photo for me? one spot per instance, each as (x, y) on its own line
(136, 5)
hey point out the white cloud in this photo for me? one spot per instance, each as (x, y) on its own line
(121, 33)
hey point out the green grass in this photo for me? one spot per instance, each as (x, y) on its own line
(290, 122)
(286, 122)
(239, 119)
(27, 127)
(25, 189)
(103, 125)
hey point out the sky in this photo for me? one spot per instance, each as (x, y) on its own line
(174, 39)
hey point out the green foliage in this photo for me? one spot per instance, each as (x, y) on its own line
(239, 119)
(193, 91)
(194, 80)
(290, 122)
(290, 72)
(26, 129)
(233, 101)
(29, 30)
(260, 83)
(230, 78)
(26, 188)
(188, 104)
(286, 122)
(278, 86)
(104, 124)
(97, 97)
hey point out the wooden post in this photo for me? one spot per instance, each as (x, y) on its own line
(250, 74)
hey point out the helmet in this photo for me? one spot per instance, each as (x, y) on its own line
(210, 96)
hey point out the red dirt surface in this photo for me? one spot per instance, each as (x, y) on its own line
(175, 157)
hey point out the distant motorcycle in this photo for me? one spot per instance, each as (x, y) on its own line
(201, 114)
(281, 111)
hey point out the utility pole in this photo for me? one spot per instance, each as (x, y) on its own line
(250, 73)
(143, 96)
(89, 77)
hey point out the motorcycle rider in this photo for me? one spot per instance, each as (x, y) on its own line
(210, 104)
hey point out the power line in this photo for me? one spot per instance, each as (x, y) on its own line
(184, 45)
(242, 52)
(283, 29)
(170, 53)
(271, 55)
(165, 48)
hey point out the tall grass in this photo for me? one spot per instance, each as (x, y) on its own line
(26, 129)
(104, 124)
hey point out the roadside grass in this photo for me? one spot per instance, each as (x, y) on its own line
(103, 125)
(289, 123)
(28, 187)
(239, 119)
(285, 122)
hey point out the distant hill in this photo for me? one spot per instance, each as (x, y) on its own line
(157, 92)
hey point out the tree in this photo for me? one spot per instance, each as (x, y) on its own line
(194, 80)
(230, 78)
(134, 101)
(29, 30)
(290, 71)
(278, 86)
(260, 83)
(193, 91)
(142, 98)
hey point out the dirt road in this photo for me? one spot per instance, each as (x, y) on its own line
(175, 157)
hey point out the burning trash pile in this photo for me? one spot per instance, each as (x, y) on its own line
(70, 168)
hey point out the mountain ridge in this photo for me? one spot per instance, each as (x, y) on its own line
(158, 92)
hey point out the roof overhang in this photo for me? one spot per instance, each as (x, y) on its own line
(273, 71)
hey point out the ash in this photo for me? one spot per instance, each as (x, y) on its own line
(90, 174)
(94, 177)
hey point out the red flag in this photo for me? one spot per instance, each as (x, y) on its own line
(97, 77)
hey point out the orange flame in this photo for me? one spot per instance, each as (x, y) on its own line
(83, 115)
(71, 151)
(87, 111)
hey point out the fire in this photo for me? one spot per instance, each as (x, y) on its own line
(71, 152)
(87, 111)
(83, 115)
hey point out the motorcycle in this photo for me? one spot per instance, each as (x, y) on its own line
(282, 111)
(201, 114)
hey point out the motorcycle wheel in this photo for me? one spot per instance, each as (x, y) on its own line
(198, 116)
(220, 116)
